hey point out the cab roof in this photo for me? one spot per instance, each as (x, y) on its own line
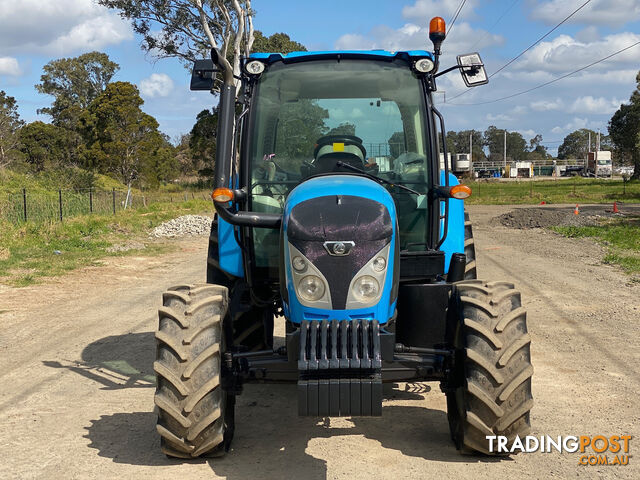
(292, 57)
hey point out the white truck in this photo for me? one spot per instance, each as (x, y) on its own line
(599, 164)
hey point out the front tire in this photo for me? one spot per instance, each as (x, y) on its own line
(470, 270)
(491, 392)
(194, 411)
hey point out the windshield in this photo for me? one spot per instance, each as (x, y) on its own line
(309, 116)
(369, 111)
(604, 162)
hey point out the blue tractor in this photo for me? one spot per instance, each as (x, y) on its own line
(333, 216)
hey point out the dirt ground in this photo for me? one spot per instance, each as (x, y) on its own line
(76, 379)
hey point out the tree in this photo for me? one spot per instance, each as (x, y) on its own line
(460, 142)
(345, 128)
(397, 144)
(47, 146)
(575, 144)
(188, 29)
(75, 83)
(121, 138)
(277, 43)
(10, 123)
(624, 129)
(202, 140)
(493, 138)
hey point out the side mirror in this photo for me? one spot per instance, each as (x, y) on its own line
(202, 76)
(472, 69)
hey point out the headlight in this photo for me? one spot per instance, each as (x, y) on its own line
(379, 264)
(311, 288)
(299, 264)
(424, 65)
(254, 67)
(366, 288)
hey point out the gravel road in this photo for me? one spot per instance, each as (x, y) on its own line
(76, 379)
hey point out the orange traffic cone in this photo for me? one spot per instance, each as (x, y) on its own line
(576, 211)
(615, 207)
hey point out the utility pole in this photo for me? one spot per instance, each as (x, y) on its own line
(505, 150)
(471, 152)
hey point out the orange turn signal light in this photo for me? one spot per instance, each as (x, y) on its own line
(460, 192)
(222, 195)
(437, 25)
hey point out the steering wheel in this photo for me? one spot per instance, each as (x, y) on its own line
(333, 148)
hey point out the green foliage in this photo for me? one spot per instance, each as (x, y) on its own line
(624, 128)
(397, 144)
(10, 123)
(202, 139)
(276, 43)
(345, 128)
(302, 123)
(575, 144)
(458, 142)
(572, 191)
(28, 250)
(121, 138)
(47, 146)
(75, 83)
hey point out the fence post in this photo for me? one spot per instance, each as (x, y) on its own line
(113, 199)
(185, 196)
(24, 203)
(90, 200)
(60, 202)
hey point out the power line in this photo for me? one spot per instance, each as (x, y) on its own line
(532, 45)
(539, 40)
(495, 23)
(455, 17)
(550, 81)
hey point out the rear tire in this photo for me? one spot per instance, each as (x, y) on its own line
(470, 271)
(491, 392)
(194, 412)
(248, 326)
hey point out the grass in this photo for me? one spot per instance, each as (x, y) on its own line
(28, 251)
(570, 190)
(621, 237)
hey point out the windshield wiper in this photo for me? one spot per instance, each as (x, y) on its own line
(377, 179)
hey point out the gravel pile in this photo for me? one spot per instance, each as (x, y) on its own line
(524, 218)
(183, 226)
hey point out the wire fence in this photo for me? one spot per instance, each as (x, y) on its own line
(38, 206)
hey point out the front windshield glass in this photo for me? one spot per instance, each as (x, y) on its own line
(306, 113)
(308, 116)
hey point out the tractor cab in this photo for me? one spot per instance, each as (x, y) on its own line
(335, 216)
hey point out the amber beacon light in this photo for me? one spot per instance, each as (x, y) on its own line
(222, 195)
(437, 32)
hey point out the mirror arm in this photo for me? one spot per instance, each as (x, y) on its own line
(460, 67)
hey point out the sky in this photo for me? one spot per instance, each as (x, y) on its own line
(33, 32)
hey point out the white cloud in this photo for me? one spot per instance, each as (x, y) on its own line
(424, 10)
(598, 106)
(157, 85)
(613, 13)
(565, 53)
(575, 124)
(500, 117)
(59, 27)
(415, 37)
(9, 66)
(547, 105)
(529, 133)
